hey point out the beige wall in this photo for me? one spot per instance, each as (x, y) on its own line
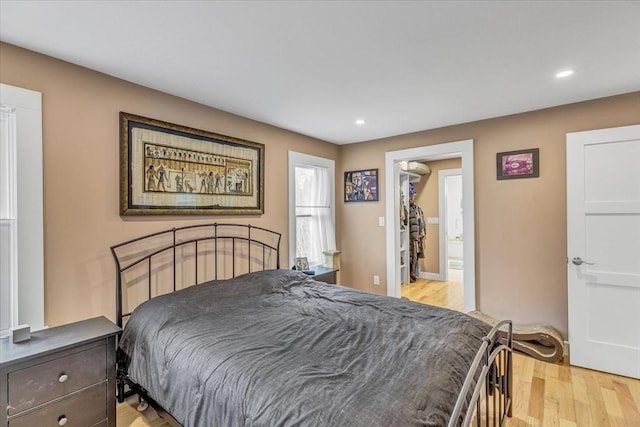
(520, 224)
(427, 197)
(81, 158)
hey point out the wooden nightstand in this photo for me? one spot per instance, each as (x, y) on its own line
(63, 376)
(325, 274)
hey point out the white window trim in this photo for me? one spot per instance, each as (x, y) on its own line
(296, 158)
(28, 106)
(8, 219)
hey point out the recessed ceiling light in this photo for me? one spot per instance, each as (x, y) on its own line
(565, 73)
(360, 122)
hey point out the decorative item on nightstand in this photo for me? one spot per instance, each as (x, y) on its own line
(20, 333)
(301, 263)
(332, 259)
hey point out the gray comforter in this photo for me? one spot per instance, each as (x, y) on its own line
(277, 348)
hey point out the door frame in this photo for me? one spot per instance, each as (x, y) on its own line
(462, 149)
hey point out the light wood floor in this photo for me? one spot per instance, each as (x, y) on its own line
(442, 294)
(545, 394)
(128, 416)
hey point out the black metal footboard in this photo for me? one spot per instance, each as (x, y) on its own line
(485, 398)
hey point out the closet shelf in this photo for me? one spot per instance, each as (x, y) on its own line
(415, 168)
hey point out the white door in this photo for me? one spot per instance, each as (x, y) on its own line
(603, 249)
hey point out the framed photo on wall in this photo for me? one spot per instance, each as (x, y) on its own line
(518, 164)
(168, 169)
(361, 186)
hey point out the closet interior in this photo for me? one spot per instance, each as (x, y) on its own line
(412, 221)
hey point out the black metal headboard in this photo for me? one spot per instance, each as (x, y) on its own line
(174, 259)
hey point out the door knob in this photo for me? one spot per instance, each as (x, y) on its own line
(579, 261)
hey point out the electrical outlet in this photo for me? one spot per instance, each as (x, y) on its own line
(376, 280)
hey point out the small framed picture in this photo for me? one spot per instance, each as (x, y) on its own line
(301, 263)
(361, 186)
(518, 164)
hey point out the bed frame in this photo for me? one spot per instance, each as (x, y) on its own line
(485, 397)
(174, 259)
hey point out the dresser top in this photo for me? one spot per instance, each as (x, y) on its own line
(55, 339)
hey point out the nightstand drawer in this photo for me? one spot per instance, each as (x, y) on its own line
(82, 409)
(41, 383)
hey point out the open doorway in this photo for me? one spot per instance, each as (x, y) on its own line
(464, 151)
(451, 230)
(436, 224)
(441, 283)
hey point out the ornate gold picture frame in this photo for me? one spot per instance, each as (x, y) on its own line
(168, 169)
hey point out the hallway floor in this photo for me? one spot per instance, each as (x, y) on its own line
(442, 294)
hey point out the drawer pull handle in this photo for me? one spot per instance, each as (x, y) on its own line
(63, 378)
(62, 420)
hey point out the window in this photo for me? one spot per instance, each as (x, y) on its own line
(311, 207)
(21, 210)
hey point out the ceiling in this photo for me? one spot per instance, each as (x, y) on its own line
(314, 67)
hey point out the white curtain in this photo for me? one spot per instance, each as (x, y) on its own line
(314, 219)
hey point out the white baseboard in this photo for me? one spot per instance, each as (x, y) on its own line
(430, 276)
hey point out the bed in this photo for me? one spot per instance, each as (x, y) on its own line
(216, 334)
